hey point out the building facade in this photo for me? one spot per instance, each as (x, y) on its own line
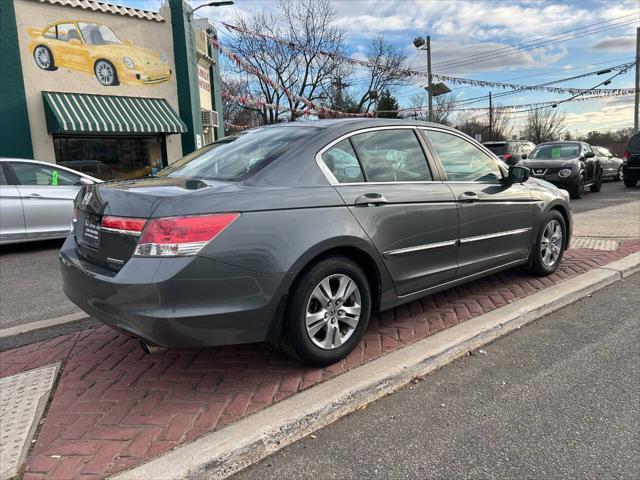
(102, 88)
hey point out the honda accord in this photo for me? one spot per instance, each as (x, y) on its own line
(294, 234)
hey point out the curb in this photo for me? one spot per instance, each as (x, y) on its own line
(221, 453)
(42, 324)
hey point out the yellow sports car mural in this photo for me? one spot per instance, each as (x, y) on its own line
(95, 48)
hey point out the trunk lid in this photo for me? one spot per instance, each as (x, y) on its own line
(130, 199)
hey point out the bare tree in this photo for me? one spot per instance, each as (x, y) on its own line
(443, 108)
(501, 128)
(234, 113)
(384, 72)
(474, 123)
(544, 125)
(302, 66)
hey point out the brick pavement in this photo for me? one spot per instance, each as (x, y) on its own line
(115, 407)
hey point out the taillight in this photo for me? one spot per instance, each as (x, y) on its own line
(74, 215)
(506, 156)
(127, 226)
(625, 156)
(180, 236)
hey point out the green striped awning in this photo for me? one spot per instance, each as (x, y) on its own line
(85, 113)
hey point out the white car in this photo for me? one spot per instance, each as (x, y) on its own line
(36, 199)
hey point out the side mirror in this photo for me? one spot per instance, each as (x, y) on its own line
(127, 42)
(518, 174)
(75, 42)
(86, 181)
(589, 155)
(523, 156)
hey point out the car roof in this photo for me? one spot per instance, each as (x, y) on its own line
(357, 123)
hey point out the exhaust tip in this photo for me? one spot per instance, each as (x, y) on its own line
(150, 349)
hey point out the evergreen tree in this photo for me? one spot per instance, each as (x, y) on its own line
(387, 102)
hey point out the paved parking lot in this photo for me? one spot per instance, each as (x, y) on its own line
(115, 406)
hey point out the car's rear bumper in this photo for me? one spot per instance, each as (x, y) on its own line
(175, 302)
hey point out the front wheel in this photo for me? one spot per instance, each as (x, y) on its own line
(577, 191)
(106, 73)
(550, 245)
(328, 311)
(597, 185)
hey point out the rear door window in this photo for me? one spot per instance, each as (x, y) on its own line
(343, 163)
(3, 177)
(391, 156)
(634, 144)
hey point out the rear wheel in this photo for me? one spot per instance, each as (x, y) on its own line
(630, 181)
(44, 58)
(577, 191)
(328, 311)
(597, 185)
(549, 247)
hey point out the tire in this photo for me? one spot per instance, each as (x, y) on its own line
(106, 73)
(597, 185)
(322, 343)
(539, 263)
(618, 175)
(577, 191)
(629, 181)
(44, 58)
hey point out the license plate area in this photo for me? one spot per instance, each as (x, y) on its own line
(90, 236)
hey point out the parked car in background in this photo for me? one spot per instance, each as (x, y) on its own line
(611, 165)
(569, 165)
(294, 234)
(631, 162)
(510, 151)
(36, 199)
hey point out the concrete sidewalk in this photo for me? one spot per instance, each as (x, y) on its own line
(115, 407)
(555, 400)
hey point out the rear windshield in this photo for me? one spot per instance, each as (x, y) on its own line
(234, 157)
(498, 149)
(556, 151)
(634, 144)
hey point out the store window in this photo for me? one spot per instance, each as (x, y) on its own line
(110, 158)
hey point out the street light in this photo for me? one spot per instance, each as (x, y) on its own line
(422, 44)
(221, 3)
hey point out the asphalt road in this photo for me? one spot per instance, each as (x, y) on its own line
(30, 287)
(558, 399)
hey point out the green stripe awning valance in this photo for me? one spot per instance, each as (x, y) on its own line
(85, 113)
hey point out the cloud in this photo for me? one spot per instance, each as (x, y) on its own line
(617, 44)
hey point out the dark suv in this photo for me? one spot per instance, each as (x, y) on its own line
(631, 162)
(569, 165)
(510, 152)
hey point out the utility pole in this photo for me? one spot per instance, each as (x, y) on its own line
(339, 84)
(636, 110)
(490, 119)
(430, 80)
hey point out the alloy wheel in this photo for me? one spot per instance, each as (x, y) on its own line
(42, 57)
(333, 311)
(551, 244)
(105, 73)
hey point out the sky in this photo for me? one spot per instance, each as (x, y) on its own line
(466, 29)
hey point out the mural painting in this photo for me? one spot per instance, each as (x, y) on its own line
(96, 49)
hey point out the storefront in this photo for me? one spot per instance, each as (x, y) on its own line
(103, 87)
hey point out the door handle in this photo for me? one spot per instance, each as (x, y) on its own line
(468, 197)
(371, 200)
(34, 195)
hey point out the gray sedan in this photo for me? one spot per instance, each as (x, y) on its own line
(295, 234)
(36, 199)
